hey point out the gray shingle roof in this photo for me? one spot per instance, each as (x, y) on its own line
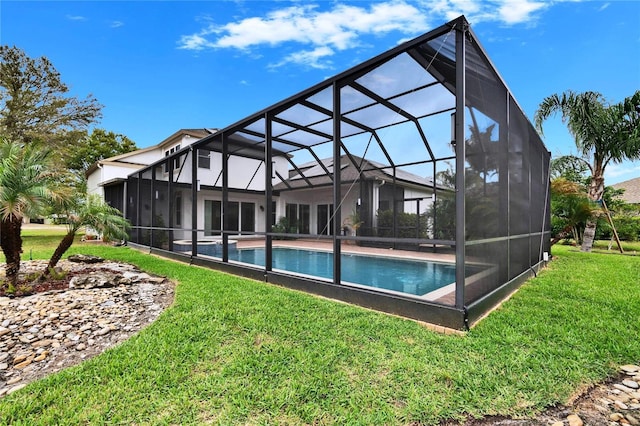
(371, 170)
(631, 190)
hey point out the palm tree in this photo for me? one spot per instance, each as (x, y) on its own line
(603, 134)
(89, 211)
(27, 186)
(571, 206)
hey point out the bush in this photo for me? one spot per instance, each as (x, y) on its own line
(409, 225)
(628, 228)
(285, 226)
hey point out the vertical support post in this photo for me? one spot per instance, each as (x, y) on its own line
(225, 198)
(418, 225)
(460, 165)
(337, 211)
(139, 203)
(153, 205)
(194, 201)
(170, 202)
(503, 176)
(268, 187)
(433, 201)
(125, 205)
(394, 209)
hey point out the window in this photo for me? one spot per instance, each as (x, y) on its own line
(232, 216)
(204, 159)
(325, 219)
(176, 161)
(212, 217)
(273, 213)
(248, 217)
(239, 216)
(298, 216)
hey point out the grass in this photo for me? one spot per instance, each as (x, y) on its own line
(236, 351)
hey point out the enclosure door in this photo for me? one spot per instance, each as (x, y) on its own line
(212, 217)
(325, 219)
(304, 218)
(232, 216)
(248, 217)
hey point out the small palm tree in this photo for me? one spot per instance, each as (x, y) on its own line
(571, 205)
(27, 186)
(88, 211)
(603, 134)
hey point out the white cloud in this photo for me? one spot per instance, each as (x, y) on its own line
(519, 11)
(339, 27)
(313, 58)
(116, 24)
(508, 12)
(603, 7)
(76, 18)
(194, 42)
(325, 32)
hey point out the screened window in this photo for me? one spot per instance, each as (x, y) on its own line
(176, 161)
(204, 159)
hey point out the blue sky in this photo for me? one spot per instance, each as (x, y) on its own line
(158, 66)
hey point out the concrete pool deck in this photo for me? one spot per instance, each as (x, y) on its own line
(327, 245)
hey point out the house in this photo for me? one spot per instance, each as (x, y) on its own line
(631, 190)
(301, 194)
(107, 177)
(307, 198)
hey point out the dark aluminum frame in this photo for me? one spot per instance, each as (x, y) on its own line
(459, 65)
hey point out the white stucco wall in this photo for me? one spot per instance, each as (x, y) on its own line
(425, 203)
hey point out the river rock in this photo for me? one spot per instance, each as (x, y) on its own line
(46, 332)
(574, 420)
(85, 258)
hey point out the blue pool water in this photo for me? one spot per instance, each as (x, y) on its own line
(405, 276)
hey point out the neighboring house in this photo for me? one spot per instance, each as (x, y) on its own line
(631, 190)
(107, 177)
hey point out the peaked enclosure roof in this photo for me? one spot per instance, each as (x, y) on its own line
(402, 86)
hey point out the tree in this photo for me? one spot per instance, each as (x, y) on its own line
(27, 185)
(100, 144)
(603, 133)
(571, 209)
(569, 167)
(34, 105)
(90, 211)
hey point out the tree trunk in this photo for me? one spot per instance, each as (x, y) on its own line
(11, 243)
(596, 190)
(57, 255)
(563, 234)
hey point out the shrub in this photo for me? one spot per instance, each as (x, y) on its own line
(409, 225)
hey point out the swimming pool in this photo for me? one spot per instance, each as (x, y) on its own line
(402, 275)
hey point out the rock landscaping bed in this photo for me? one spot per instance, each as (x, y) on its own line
(90, 307)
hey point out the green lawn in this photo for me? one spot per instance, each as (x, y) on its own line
(233, 351)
